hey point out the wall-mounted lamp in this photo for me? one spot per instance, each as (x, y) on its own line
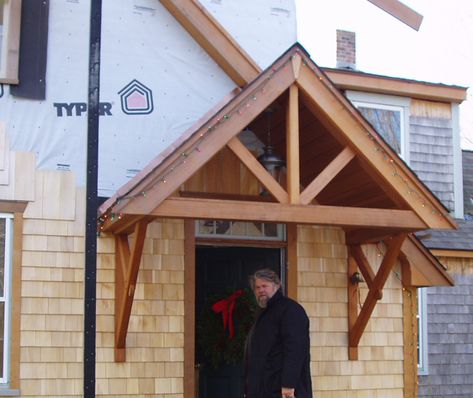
(270, 160)
(356, 278)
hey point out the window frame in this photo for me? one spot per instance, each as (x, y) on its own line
(6, 298)
(10, 41)
(388, 102)
(423, 341)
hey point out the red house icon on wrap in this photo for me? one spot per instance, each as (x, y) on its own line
(136, 99)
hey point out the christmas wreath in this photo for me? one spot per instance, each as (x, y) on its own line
(223, 326)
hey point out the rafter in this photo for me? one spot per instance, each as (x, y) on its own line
(213, 37)
(126, 273)
(400, 11)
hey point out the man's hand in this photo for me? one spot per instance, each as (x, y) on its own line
(287, 392)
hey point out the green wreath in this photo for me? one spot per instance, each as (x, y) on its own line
(223, 327)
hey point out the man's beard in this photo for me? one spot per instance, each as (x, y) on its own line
(262, 301)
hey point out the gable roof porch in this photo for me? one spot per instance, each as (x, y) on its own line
(339, 172)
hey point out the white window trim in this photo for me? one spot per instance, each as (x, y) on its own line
(389, 102)
(423, 360)
(457, 163)
(10, 41)
(7, 296)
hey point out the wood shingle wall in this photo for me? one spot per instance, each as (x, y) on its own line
(431, 147)
(322, 266)
(155, 339)
(450, 335)
(51, 337)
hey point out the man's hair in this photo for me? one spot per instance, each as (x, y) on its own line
(266, 274)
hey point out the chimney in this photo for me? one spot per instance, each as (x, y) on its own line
(346, 49)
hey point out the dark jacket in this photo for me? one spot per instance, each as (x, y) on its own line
(278, 351)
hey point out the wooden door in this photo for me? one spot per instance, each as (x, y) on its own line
(219, 270)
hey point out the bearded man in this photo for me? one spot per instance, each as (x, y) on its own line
(277, 351)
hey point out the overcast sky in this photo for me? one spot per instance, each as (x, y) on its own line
(440, 52)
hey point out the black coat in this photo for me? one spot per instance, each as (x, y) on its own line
(278, 351)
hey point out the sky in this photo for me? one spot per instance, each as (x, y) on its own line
(440, 52)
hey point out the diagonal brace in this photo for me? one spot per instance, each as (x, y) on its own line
(126, 273)
(389, 260)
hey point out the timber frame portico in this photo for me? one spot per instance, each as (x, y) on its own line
(338, 172)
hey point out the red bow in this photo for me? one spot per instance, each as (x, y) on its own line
(226, 306)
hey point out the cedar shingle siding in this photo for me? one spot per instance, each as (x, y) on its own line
(450, 335)
(468, 182)
(431, 152)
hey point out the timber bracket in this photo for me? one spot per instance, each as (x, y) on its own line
(126, 274)
(357, 321)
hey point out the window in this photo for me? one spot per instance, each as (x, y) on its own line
(240, 230)
(422, 348)
(388, 115)
(10, 13)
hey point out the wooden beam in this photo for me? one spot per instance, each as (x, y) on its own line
(327, 175)
(353, 292)
(351, 80)
(214, 39)
(389, 260)
(258, 170)
(400, 11)
(292, 280)
(292, 145)
(190, 377)
(364, 236)
(420, 267)
(363, 264)
(409, 309)
(126, 273)
(278, 212)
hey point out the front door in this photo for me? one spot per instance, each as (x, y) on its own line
(220, 270)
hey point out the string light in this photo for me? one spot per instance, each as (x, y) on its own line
(239, 109)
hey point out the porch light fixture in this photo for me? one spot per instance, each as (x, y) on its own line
(270, 160)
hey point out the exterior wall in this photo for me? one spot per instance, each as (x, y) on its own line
(154, 364)
(322, 276)
(51, 361)
(450, 335)
(52, 305)
(431, 148)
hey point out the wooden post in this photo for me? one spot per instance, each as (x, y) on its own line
(292, 140)
(191, 384)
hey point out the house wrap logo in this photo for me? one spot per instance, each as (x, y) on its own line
(135, 99)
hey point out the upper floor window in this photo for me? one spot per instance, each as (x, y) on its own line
(389, 117)
(10, 17)
(6, 237)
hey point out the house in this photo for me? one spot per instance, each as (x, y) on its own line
(447, 346)
(195, 216)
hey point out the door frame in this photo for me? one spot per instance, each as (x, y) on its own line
(190, 374)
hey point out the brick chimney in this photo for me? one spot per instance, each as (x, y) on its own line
(346, 49)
